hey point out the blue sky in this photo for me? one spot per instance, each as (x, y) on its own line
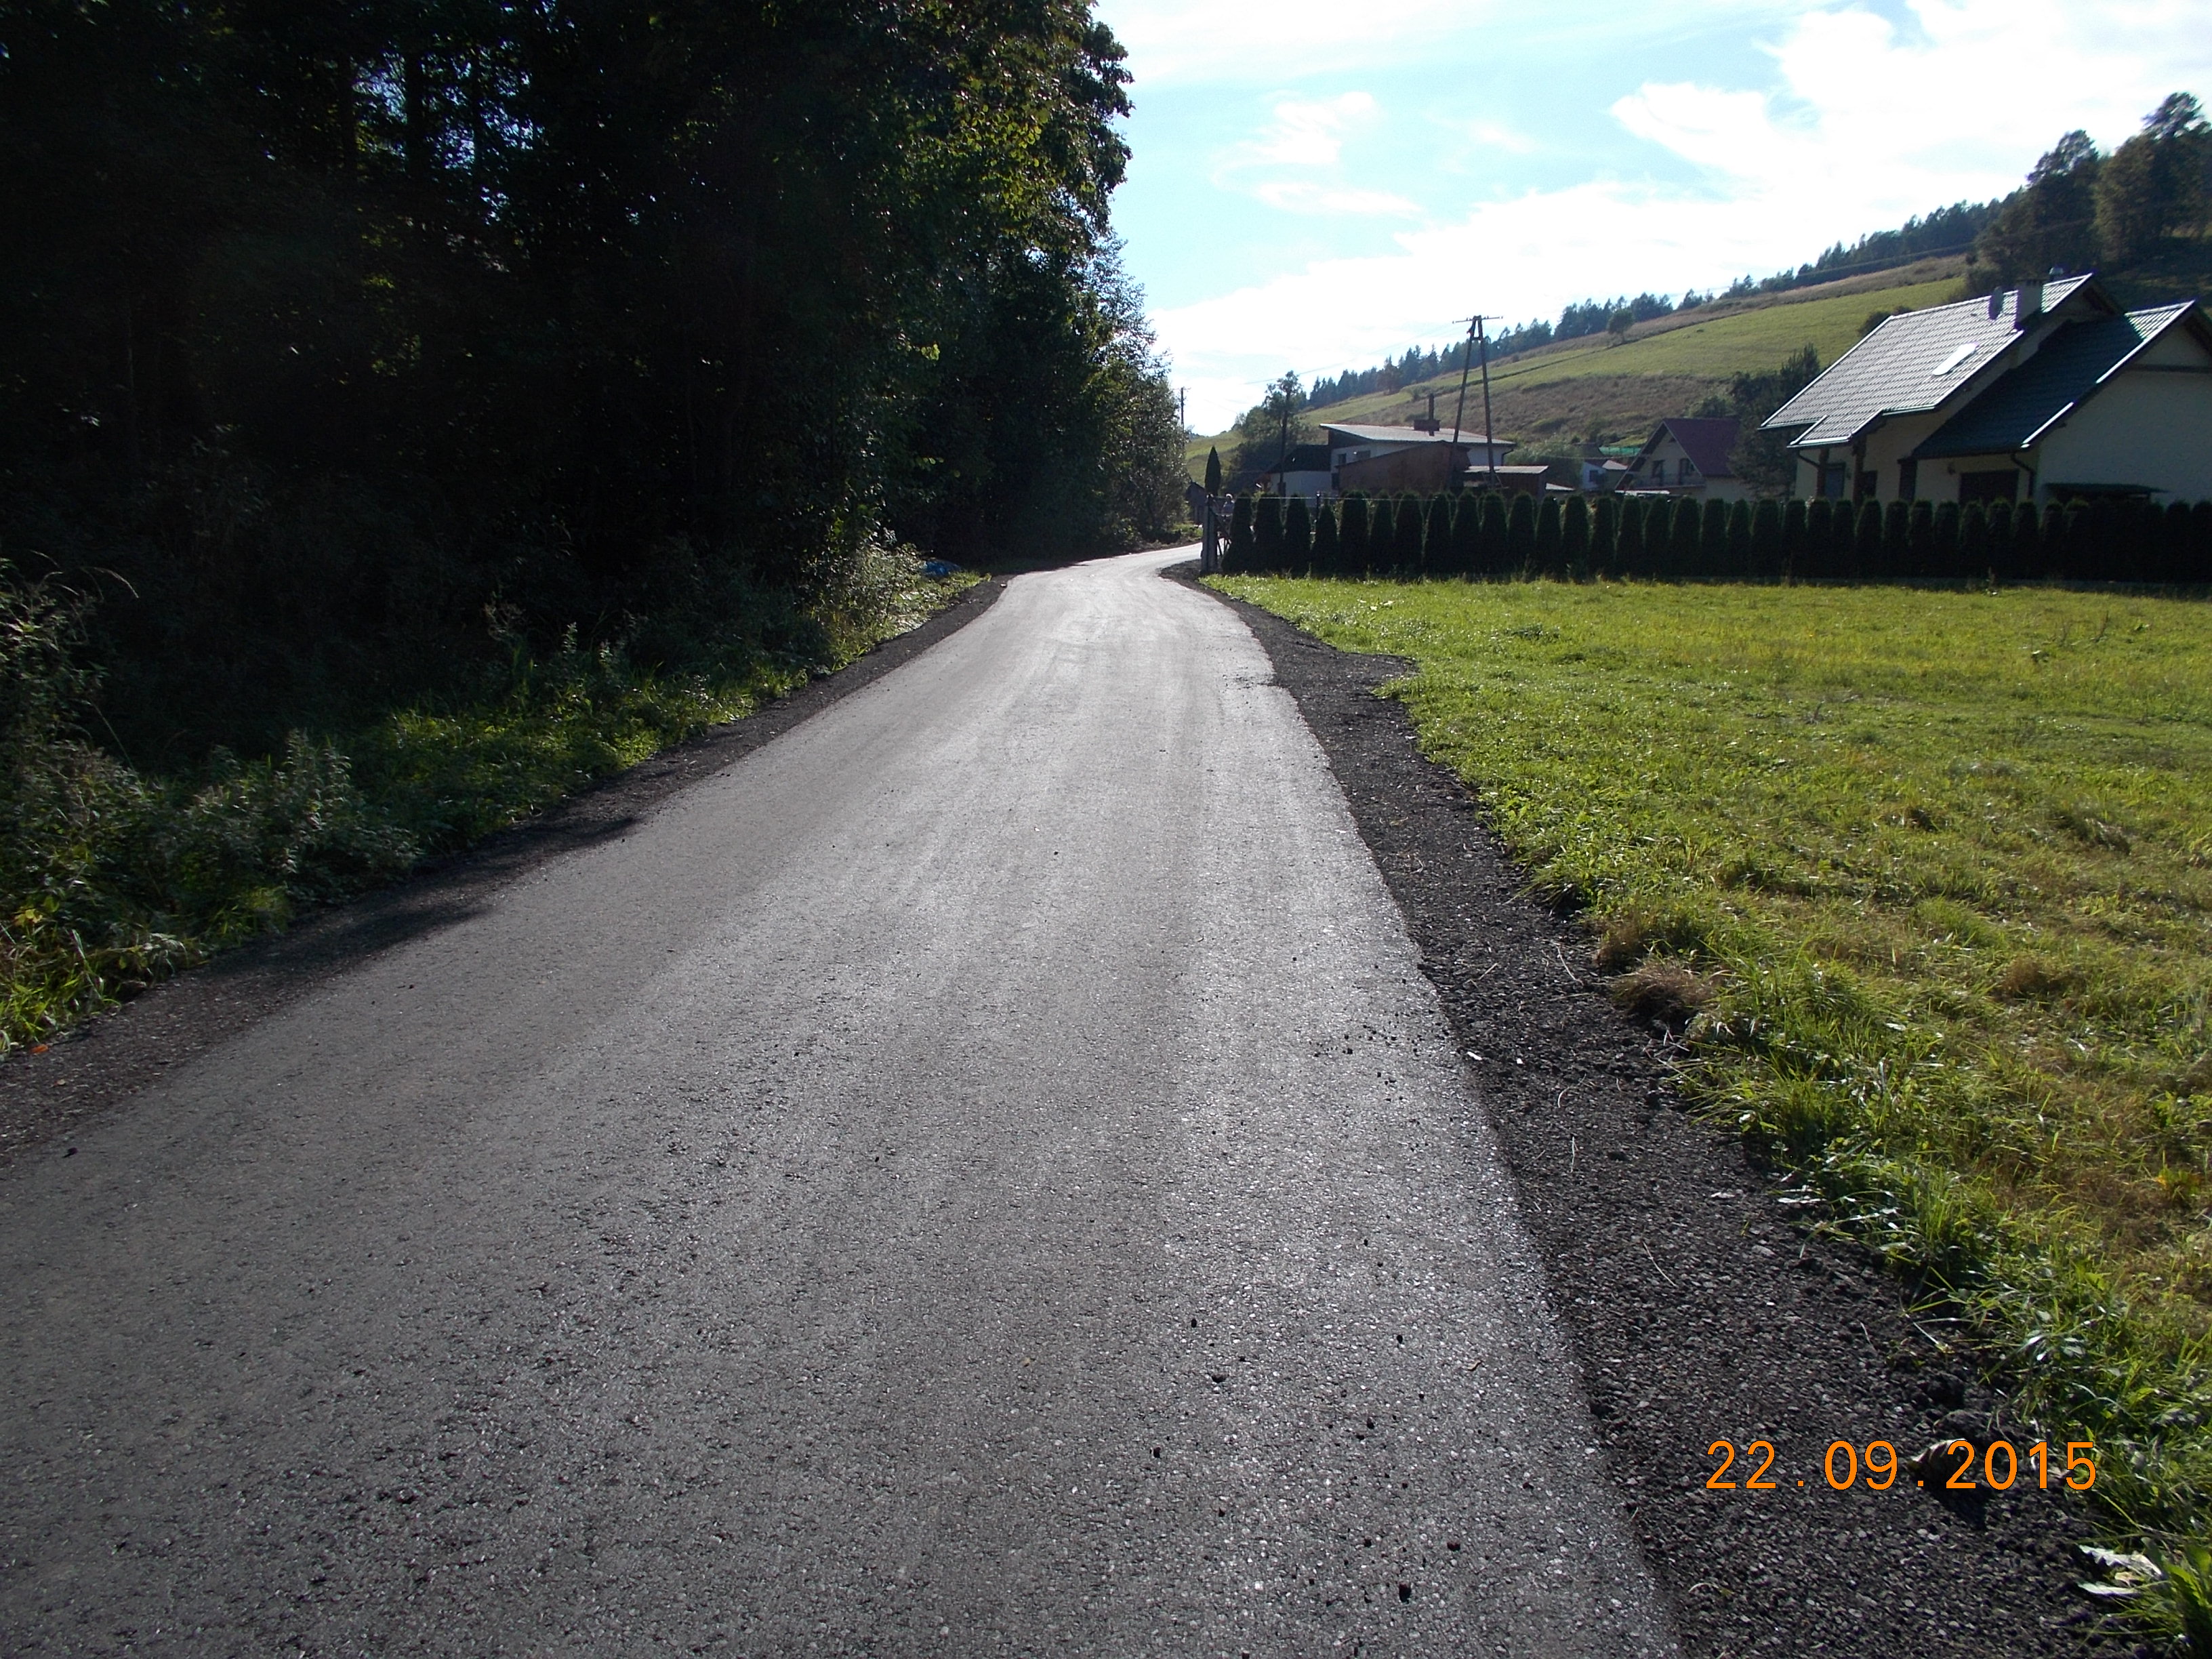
(1318, 183)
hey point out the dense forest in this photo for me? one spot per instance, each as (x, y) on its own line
(411, 410)
(325, 327)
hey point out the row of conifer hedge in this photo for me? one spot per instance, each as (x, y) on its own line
(1492, 535)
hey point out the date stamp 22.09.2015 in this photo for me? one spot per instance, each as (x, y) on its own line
(1947, 1465)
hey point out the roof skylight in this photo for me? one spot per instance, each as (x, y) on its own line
(1959, 355)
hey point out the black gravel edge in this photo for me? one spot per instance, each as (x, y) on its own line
(97, 1064)
(1699, 1307)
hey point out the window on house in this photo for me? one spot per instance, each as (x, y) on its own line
(1835, 480)
(1868, 482)
(1908, 480)
(1689, 471)
(2001, 485)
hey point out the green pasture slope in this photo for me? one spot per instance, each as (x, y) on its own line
(1664, 367)
(1937, 867)
(1750, 342)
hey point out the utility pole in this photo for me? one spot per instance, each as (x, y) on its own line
(1465, 359)
(1489, 437)
(1476, 339)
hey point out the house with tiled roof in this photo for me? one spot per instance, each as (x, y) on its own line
(1689, 456)
(1383, 459)
(2042, 393)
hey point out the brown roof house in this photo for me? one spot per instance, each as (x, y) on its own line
(1388, 459)
(2041, 393)
(1689, 456)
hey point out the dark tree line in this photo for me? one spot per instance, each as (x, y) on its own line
(2080, 209)
(1946, 230)
(327, 326)
(1487, 535)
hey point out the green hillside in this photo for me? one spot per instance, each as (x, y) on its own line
(1591, 390)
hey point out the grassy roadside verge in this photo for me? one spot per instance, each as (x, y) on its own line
(110, 879)
(1931, 874)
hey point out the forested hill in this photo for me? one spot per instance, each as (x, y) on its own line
(326, 327)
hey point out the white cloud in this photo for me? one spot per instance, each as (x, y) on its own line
(1296, 163)
(1954, 103)
(1865, 124)
(1519, 258)
(1487, 137)
(1307, 132)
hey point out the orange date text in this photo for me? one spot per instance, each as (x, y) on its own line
(1949, 1465)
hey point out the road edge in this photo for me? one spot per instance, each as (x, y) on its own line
(1613, 1175)
(100, 1062)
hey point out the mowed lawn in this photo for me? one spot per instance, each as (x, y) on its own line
(1941, 863)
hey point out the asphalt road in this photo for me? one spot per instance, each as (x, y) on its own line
(983, 1174)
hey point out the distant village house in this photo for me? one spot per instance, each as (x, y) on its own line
(1388, 460)
(1689, 456)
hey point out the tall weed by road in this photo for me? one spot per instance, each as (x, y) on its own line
(111, 878)
(1938, 867)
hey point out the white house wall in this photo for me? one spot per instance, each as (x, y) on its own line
(2147, 427)
(1668, 452)
(1897, 438)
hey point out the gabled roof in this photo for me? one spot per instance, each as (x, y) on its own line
(1401, 435)
(2069, 366)
(1301, 458)
(1707, 440)
(1913, 362)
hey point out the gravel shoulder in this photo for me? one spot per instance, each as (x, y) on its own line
(1698, 1309)
(93, 1066)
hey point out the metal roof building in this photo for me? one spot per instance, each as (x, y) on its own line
(2036, 392)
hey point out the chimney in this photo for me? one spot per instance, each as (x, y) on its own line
(1996, 305)
(1428, 422)
(2031, 304)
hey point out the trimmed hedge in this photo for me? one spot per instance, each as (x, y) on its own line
(1267, 531)
(1487, 535)
(1405, 544)
(1436, 537)
(1351, 536)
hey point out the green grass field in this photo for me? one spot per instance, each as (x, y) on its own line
(1937, 868)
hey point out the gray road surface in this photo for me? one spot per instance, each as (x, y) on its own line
(982, 1175)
